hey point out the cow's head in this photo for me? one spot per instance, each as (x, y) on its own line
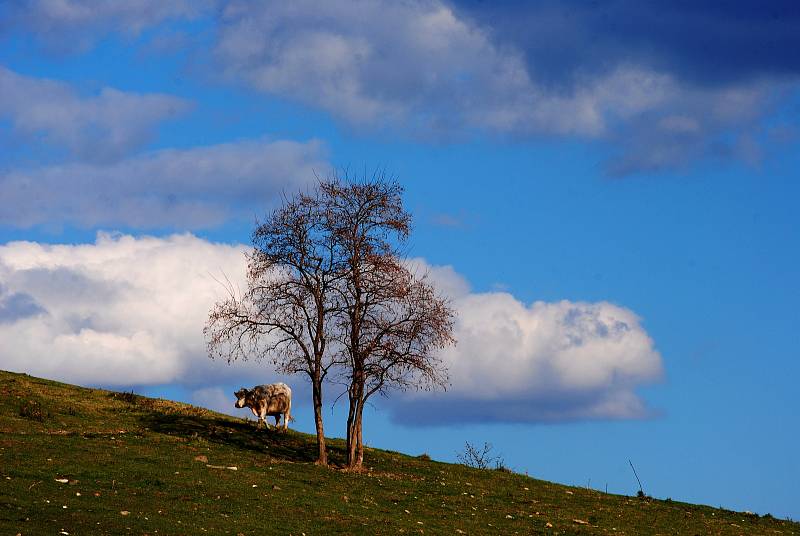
(241, 397)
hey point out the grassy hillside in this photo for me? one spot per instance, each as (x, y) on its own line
(84, 461)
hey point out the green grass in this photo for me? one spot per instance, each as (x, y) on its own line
(131, 468)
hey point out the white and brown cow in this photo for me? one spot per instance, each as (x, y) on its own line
(267, 400)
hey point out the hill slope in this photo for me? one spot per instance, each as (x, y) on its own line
(86, 461)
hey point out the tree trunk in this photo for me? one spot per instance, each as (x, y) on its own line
(322, 456)
(352, 432)
(355, 454)
(359, 435)
(355, 442)
(356, 398)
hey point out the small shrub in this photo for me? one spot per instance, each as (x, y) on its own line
(133, 399)
(126, 396)
(424, 456)
(31, 409)
(479, 458)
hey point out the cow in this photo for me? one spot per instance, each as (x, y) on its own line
(263, 400)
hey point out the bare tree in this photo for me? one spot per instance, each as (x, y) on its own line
(327, 288)
(286, 314)
(391, 321)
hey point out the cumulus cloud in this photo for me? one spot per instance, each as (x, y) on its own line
(130, 311)
(543, 362)
(183, 188)
(120, 311)
(540, 363)
(431, 68)
(99, 127)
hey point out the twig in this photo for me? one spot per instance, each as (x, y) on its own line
(637, 476)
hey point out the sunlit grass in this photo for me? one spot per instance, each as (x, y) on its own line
(85, 461)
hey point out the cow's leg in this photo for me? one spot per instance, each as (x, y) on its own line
(286, 414)
(277, 419)
(255, 412)
(264, 416)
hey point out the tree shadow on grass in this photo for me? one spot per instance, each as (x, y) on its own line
(284, 445)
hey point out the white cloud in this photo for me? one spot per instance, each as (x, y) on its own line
(377, 63)
(445, 278)
(535, 363)
(121, 311)
(130, 311)
(546, 361)
(75, 25)
(423, 68)
(98, 127)
(695, 123)
(426, 69)
(179, 188)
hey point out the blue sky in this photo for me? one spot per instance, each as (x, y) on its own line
(606, 190)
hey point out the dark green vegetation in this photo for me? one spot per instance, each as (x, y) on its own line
(134, 465)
